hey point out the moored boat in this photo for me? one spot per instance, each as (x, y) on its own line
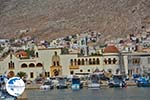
(143, 82)
(61, 83)
(117, 81)
(47, 85)
(94, 81)
(76, 84)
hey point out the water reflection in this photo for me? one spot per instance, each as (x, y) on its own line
(91, 94)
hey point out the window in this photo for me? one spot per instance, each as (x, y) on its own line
(75, 61)
(88, 70)
(11, 65)
(94, 62)
(71, 72)
(136, 61)
(39, 65)
(105, 61)
(79, 63)
(54, 63)
(24, 65)
(90, 61)
(57, 63)
(45, 74)
(86, 61)
(109, 61)
(31, 75)
(82, 61)
(31, 65)
(114, 60)
(97, 61)
(37, 55)
(81, 70)
(48, 75)
(71, 62)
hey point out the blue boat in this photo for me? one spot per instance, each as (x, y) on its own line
(117, 81)
(143, 82)
(76, 84)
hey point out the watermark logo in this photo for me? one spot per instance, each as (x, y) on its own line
(15, 86)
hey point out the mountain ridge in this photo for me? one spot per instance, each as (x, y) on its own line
(48, 19)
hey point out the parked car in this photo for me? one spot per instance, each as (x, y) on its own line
(117, 81)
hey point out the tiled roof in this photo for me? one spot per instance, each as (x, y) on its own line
(111, 49)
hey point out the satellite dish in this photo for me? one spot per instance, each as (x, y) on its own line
(15, 86)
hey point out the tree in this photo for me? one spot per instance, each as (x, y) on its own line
(22, 74)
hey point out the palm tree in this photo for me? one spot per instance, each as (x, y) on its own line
(22, 74)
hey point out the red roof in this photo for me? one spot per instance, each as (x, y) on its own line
(111, 49)
(22, 53)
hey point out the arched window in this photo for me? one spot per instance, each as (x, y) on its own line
(97, 61)
(90, 61)
(114, 60)
(37, 54)
(105, 61)
(57, 63)
(86, 60)
(71, 62)
(31, 65)
(75, 61)
(94, 62)
(82, 61)
(54, 63)
(79, 63)
(11, 65)
(24, 65)
(39, 65)
(109, 61)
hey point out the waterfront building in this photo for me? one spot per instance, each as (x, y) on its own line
(51, 62)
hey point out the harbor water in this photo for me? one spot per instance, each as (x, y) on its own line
(129, 93)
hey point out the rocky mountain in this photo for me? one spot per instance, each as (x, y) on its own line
(47, 19)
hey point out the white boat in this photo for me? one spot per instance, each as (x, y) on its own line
(47, 85)
(94, 81)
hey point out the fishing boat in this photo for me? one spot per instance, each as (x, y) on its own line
(76, 84)
(143, 82)
(117, 81)
(47, 85)
(94, 81)
(61, 83)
